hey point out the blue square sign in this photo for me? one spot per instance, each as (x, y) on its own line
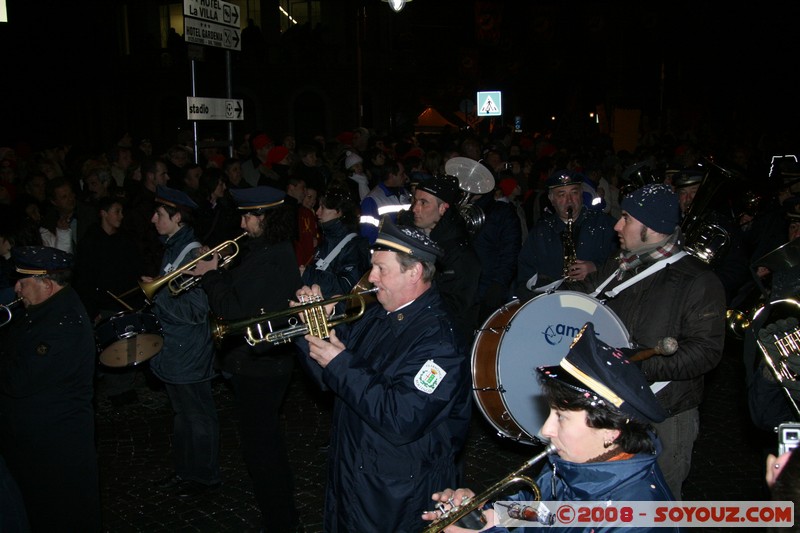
(489, 104)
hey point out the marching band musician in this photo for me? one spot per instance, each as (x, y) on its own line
(264, 281)
(600, 422)
(185, 362)
(767, 398)
(659, 291)
(401, 385)
(541, 260)
(47, 362)
(729, 262)
(435, 211)
(342, 256)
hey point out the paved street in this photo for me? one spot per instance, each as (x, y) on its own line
(133, 445)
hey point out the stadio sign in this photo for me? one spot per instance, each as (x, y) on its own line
(213, 109)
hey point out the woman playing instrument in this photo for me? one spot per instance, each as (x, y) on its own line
(601, 410)
(342, 256)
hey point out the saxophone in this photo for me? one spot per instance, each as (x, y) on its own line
(568, 243)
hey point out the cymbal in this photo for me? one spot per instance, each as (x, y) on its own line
(781, 258)
(472, 176)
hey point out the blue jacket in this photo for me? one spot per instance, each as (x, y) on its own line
(543, 253)
(634, 479)
(380, 201)
(395, 432)
(188, 354)
(346, 269)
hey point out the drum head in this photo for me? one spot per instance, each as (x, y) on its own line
(132, 351)
(539, 334)
(128, 338)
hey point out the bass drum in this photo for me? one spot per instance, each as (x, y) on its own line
(128, 338)
(515, 340)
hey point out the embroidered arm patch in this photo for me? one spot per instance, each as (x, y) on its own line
(429, 377)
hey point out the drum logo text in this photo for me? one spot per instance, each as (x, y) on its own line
(555, 333)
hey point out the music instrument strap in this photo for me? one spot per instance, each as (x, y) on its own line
(649, 271)
(322, 264)
(178, 260)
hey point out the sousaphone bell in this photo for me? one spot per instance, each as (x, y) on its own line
(473, 179)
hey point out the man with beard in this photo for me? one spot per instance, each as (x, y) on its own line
(660, 291)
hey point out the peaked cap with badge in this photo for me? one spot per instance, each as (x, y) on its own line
(562, 178)
(443, 187)
(40, 260)
(174, 198)
(593, 368)
(687, 177)
(257, 199)
(406, 239)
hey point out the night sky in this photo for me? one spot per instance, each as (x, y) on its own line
(733, 66)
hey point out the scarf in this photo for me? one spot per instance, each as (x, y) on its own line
(629, 261)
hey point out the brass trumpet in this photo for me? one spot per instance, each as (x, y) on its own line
(7, 308)
(178, 281)
(467, 506)
(272, 328)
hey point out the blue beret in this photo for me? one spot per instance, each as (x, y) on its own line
(406, 239)
(257, 198)
(40, 260)
(444, 188)
(174, 198)
(595, 368)
(562, 178)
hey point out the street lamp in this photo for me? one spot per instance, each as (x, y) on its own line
(396, 5)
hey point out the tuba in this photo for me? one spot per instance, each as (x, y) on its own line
(779, 342)
(473, 179)
(704, 235)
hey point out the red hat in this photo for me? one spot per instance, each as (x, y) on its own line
(261, 140)
(217, 160)
(346, 137)
(276, 155)
(507, 185)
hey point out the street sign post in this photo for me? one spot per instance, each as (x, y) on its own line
(211, 34)
(212, 23)
(217, 11)
(213, 109)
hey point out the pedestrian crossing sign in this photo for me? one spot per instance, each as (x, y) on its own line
(489, 104)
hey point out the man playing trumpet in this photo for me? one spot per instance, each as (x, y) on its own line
(401, 385)
(263, 282)
(185, 363)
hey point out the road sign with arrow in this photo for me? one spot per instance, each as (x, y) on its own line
(212, 23)
(213, 109)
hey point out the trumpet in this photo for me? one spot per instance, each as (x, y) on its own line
(178, 281)
(467, 506)
(7, 308)
(262, 327)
